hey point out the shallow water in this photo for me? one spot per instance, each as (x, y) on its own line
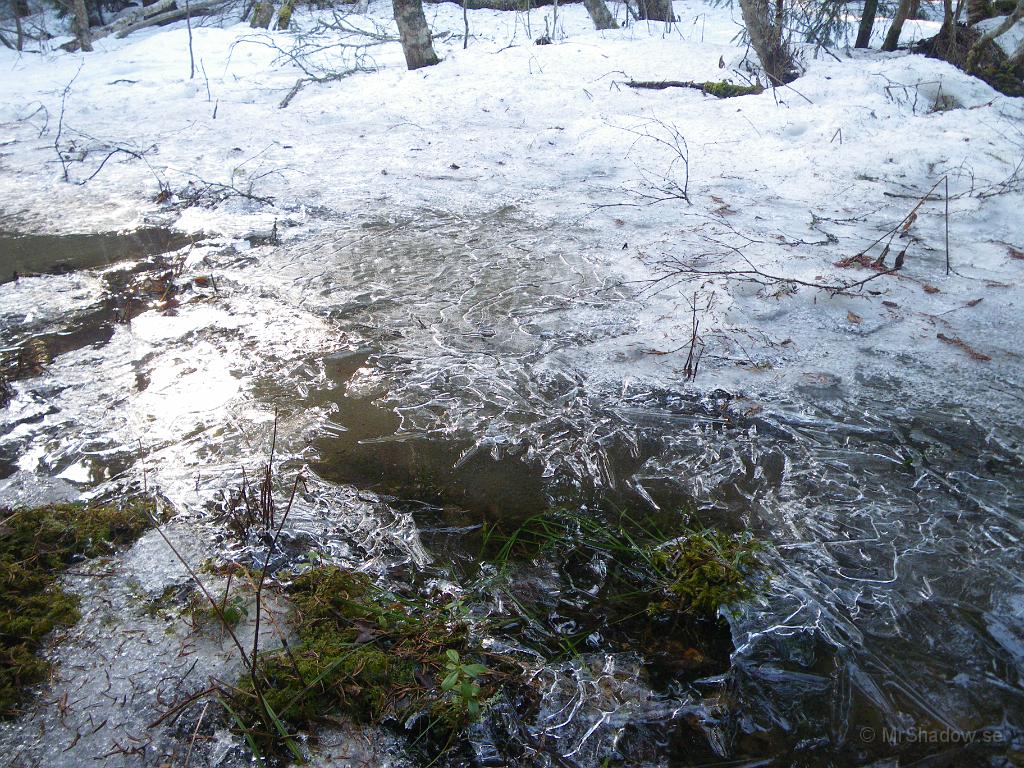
(27, 253)
(436, 374)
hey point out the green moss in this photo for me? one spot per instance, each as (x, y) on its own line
(706, 569)
(363, 652)
(35, 546)
(726, 90)
(204, 617)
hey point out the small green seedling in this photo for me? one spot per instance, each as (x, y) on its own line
(461, 678)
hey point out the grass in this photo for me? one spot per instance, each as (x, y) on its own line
(694, 571)
(36, 545)
(371, 655)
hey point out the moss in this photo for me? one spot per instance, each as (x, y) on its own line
(363, 652)
(726, 90)
(204, 617)
(35, 546)
(706, 569)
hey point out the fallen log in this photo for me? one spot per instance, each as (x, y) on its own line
(501, 5)
(160, 12)
(720, 90)
(198, 8)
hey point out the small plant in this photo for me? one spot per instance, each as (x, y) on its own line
(705, 569)
(461, 679)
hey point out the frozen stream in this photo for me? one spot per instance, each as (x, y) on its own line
(434, 372)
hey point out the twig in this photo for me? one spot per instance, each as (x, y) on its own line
(60, 122)
(947, 226)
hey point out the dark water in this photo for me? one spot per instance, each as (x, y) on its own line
(893, 630)
(47, 254)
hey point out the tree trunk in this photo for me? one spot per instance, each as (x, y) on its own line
(600, 15)
(767, 41)
(977, 10)
(892, 39)
(284, 16)
(654, 10)
(915, 9)
(414, 33)
(262, 14)
(80, 24)
(867, 24)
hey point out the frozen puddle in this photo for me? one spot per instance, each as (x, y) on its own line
(436, 372)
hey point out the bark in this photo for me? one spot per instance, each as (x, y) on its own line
(199, 7)
(600, 15)
(655, 10)
(867, 24)
(892, 38)
(500, 5)
(80, 25)
(414, 33)
(915, 9)
(21, 9)
(284, 16)
(262, 14)
(126, 21)
(765, 33)
(977, 10)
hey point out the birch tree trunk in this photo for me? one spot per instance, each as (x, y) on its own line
(765, 32)
(80, 24)
(867, 24)
(600, 15)
(892, 39)
(414, 33)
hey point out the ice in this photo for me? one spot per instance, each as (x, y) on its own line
(478, 235)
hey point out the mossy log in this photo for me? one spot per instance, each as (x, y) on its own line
(720, 90)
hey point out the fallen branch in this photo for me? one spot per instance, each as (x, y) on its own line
(720, 90)
(160, 12)
(172, 15)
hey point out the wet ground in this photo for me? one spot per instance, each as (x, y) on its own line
(438, 377)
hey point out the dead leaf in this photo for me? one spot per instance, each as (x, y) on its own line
(1015, 253)
(956, 341)
(854, 318)
(890, 304)
(974, 302)
(910, 222)
(929, 288)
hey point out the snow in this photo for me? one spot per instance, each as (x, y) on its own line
(1010, 40)
(509, 123)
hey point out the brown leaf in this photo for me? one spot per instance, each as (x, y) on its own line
(974, 302)
(910, 222)
(956, 341)
(1015, 253)
(929, 288)
(854, 318)
(890, 304)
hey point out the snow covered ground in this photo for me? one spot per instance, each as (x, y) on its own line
(836, 160)
(489, 221)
